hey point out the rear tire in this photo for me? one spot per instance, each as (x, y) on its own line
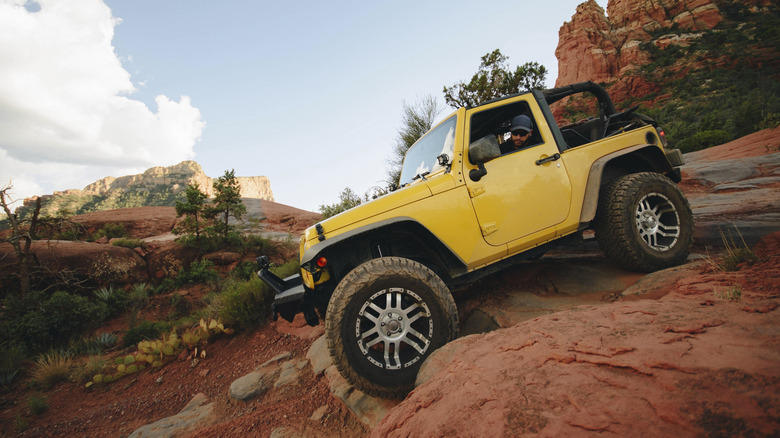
(644, 222)
(384, 319)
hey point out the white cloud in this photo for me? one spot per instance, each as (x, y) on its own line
(66, 112)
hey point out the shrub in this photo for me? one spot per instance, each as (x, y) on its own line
(115, 298)
(129, 243)
(144, 331)
(244, 270)
(179, 306)
(52, 368)
(93, 346)
(11, 357)
(167, 285)
(37, 322)
(110, 231)
(703, 140)
(735, 254)
(244, 304)
(201, 271)
(86, 371)
(38, 404)
(139, 295)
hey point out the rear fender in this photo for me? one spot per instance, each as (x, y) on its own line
(640, 158)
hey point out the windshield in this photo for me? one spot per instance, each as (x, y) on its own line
(421, 158)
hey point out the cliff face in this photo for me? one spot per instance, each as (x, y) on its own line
(157, 186)
(607, 48)
(178, 177)
(598, 47)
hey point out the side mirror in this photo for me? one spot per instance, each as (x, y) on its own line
(480, 152)
(477, 174)
(484, 149)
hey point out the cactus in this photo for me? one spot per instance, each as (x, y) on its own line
(156, 353)
(168, 350)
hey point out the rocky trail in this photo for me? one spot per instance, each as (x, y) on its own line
(568, 345)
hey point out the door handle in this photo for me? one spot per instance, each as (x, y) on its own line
(555, 157)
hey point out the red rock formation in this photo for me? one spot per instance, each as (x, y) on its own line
(599, 48)
(608, 48)
(138, 222)
(692, 363)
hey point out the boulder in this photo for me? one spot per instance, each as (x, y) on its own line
(252, 385)
(195, 414)
(138, 222)
(694, 362)
(318, 356)
(732, 189)
(102, 263)
(271, 374)
(369, 410)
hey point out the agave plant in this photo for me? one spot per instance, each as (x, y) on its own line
(139, 294)
(10, 364)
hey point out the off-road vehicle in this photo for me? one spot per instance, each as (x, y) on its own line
(380, 274)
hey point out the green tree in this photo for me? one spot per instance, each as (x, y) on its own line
(494, 79)
(227, 202)
(192, 209)
(347, 199)
(418, 119)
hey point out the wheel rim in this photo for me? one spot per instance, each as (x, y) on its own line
(394, 328)
(657, 222)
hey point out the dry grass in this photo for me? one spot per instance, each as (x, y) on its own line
(52, 368)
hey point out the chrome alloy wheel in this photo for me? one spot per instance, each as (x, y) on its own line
(657, 221)
(394, 328)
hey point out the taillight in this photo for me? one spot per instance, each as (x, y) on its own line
(322, 262)
(662, 135)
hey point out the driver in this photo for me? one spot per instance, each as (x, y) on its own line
(521, 130)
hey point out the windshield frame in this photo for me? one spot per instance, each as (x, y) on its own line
(437, 141)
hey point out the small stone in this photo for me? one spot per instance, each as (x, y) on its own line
(319, 413)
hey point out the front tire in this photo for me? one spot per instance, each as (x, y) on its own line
(644, 223)
(384, 318)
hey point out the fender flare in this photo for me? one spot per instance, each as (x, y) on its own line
(648, 153)
(447, 255)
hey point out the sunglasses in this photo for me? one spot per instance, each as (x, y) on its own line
(520, 133)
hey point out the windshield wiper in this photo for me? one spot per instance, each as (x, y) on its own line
(421, 175)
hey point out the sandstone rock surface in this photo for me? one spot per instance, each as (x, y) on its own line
(691, 363)
(197, 412)
(105, 263)
(733, 189)
(137, 222)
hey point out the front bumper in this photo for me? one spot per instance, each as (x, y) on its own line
(291, 296)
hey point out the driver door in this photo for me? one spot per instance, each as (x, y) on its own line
(525, 193)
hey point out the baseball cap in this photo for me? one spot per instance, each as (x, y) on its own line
(521, 122)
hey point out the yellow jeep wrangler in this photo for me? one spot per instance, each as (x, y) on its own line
(472, 201)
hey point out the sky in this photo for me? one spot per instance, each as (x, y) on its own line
(307, 93)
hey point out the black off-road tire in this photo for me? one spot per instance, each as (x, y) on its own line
(644, 223)
(388, 304)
